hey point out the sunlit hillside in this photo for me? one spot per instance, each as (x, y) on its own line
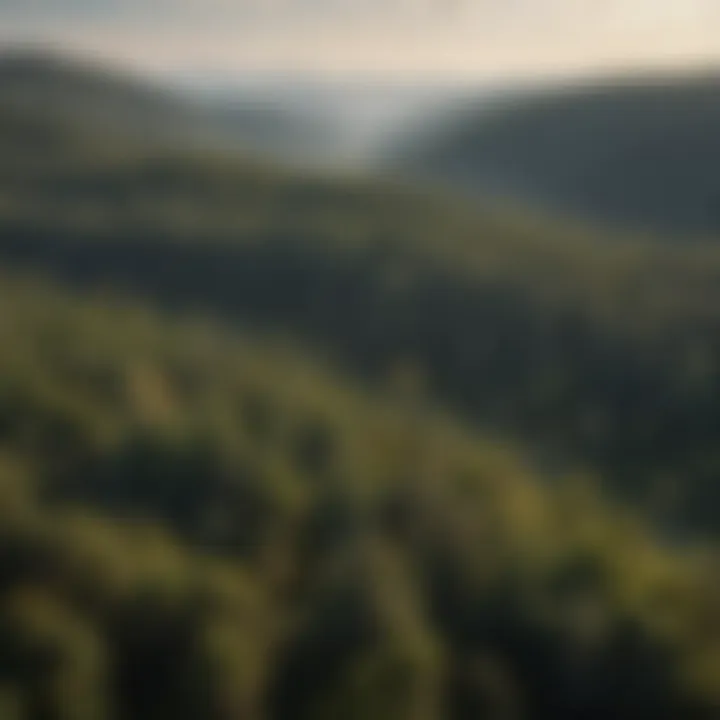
(284, 445)
(594, 353)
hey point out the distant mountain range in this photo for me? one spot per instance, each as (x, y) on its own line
(101, 100)
(290, 119)
(639, 152)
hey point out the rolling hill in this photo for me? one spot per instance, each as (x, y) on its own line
(589, 352)
(276, 446)
(198, 523)
(102, 100)
(634, 153)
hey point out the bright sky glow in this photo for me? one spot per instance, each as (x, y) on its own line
(469, 38)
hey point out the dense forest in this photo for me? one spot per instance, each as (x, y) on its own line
(278, 446)
(593, 353)
(198, 524)
(624, 152)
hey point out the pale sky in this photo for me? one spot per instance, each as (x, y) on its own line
(468, 38)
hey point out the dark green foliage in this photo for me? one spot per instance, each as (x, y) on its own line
(631, 152)
(225, 531)
(590, 352)
(197, 521)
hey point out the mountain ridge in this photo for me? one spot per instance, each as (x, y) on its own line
(636, 153)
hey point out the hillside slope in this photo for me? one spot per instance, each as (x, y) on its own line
(100, 99)
(637, 152)
(591, 352)
(197, 524)
(237, 483)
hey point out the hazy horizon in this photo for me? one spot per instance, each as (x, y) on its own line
(463, 40)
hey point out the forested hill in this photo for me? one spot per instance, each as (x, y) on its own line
(591, 352)
(59, 88)
(197, 524)
(633, 152)
(281, 447)
(98, 99)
